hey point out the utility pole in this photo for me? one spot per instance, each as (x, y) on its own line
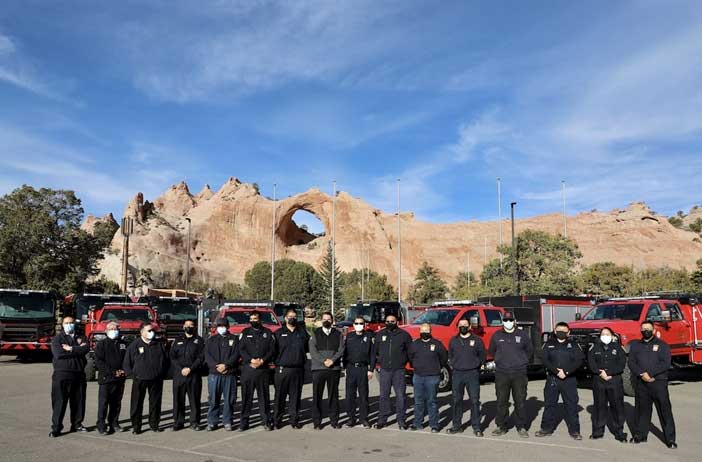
(273, 226)
(127, 229)
(363, 273)
(333, 268)
(187, 262)
(499, 214)
(565, 219)
(399, 248)
(515, 253)
(484, 256)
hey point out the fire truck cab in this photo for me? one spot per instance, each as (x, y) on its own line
(237, 313)
(374, 312)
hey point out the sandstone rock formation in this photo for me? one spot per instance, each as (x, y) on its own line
(90, 221)
(231, 230)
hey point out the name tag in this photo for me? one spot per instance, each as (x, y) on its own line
(655, 347)
(249, 336)
(283, 335)
(472, 343)
(551, 346)
(518, 339)
(180, 343)
(231, 342)
(141, 350)
(385, 337)
(432, 347)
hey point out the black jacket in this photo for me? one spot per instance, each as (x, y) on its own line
(610, 358)
(360, 349)
(427, 358)
(291, 347)
(187, 352)
(69, 362)
(323, 346)
(392, 348)
(512, 351)
(109, 358)
(466, 354)
(257, 343)
(222, 349)
(146, 361)
(565, 355)
(652, 357)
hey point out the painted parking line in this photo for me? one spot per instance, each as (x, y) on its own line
(164, 448)
(233, 437)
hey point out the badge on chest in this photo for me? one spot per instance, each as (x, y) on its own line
(655, 347)
(471, 343)
(517, 339)
(432, 347)
(141, 350)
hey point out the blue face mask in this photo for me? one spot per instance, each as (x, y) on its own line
(112, 334)
(69, 328)
(221, 330)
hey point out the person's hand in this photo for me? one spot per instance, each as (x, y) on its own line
(370, 375)
(221, 368)
(646, 378)
(328, 363)
(254, 363)
(119, 373)
(603, 374)
(561, 374)
(185, 371)
(66, 347)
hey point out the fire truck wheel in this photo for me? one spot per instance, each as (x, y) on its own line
(445, 381)
(90, 369)
(628, 381)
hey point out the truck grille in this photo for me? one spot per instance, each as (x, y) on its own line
(24, 333)
(584, 337)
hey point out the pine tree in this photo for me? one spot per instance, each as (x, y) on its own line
(330, 271)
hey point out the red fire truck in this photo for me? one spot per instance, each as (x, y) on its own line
(237, 313)
(374, 312)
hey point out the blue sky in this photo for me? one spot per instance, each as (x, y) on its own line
(110, 98)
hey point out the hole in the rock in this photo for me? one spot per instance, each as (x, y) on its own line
(300, 227)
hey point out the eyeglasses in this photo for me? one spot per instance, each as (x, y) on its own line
(359, 323)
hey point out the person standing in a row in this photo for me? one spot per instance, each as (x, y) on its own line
(427, 356)
(649, 361)
(291, 355)
(221, 353)
(512, 349)
(68, 384)
(256, 348)
(109, 358)
(187, 358)
(562, 358)
(607, 360)
(146, 362)
(391, 353)
(359, 355)
(466, 355)
(326, 347)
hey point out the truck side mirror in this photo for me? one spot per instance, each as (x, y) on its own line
(475, 321)
(578, 316)
(665, 315)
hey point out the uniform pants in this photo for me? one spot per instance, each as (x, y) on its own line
(392, 379)
(357, 383)
(288, 384)
(222, 397)
(647, 395)
(425, 389)
(460, 381)
(192, 387)
(608, 396)
(258, 380)
(516, 383)
(568, 390)
(109, 404)
(67, 388)
(136, 408)
(329, 379)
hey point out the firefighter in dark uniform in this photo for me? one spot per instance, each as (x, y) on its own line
(562, 358)
(606, 360)
(511, 349)
(68, 384)
(221, 355)
(326, 347)
(358, 356)
(292, 345)
(109, 357)
(256, 348)
(466, 354)
(187, 359)
(427, 356)
(649, 361)
(146, 362)
(391, 352)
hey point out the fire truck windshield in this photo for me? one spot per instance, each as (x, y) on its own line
(126, 314)
(242, 317)
(359, 311)
(623, 312)
(34, 306)
(86, 302)
(175, 310)
(434, 316)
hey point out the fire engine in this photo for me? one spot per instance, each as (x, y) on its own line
(237, 313)
(27, 322)
(79, 306)
(172, 313)
(374, 312)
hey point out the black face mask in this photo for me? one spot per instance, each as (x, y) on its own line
(391, 325)
(647, 334)
(326, 324)
(189, 330)
(561, 335)
(425, 335)
(256, 324)
(463, 329)
(292, 321)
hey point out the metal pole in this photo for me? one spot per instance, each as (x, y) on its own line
(484, 256)
(187, 262)
(399, 247)
(565, 220)
(127, 229)
(275, 187)
(515, 255)
(363, 274)
(333, 267)
(499, 213)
